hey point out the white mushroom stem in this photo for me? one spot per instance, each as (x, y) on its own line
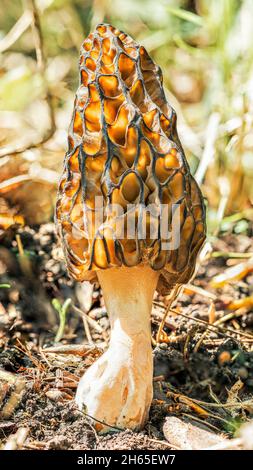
(117, 389)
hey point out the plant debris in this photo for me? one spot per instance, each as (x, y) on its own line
(210, 385)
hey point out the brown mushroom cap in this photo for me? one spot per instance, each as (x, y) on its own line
(124, 148)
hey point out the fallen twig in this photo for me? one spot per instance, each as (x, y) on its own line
(17, 440)
(16, 31)
(209, 150)
(221, 329)
(76, 349)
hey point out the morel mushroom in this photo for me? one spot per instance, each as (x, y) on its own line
(124, 153)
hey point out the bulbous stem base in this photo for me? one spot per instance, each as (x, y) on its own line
(117, 389)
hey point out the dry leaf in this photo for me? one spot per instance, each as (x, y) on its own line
(211, 313)
(234, 273)
(246, 302)
(187, 436)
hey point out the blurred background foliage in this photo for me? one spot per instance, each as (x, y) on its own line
(204, 48)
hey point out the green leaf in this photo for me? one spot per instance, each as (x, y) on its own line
(186, 15)
(241, 226)
(62, 311)
(66, 305)
(57, 305)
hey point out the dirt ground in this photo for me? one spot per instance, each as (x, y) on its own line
(202, 373)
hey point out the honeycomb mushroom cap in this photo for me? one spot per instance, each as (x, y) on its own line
(124, 150)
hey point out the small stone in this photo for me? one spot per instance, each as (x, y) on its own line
(249, 319)
(213, 335)
(97, 313)
(54, 395)
(243, 373)
(104, 323)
